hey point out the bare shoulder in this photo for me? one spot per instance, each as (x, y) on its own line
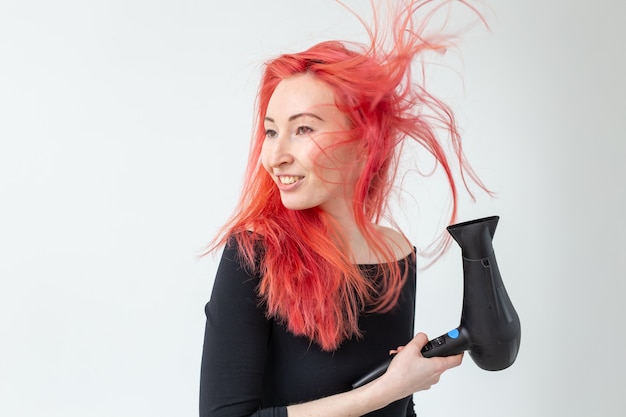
(401, 246)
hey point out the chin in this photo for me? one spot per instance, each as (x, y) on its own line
(296, 205)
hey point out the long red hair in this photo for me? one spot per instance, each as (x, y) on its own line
(309, 281)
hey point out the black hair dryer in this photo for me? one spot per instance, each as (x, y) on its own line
(490, 328)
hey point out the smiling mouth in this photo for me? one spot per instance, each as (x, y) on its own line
(289, 179)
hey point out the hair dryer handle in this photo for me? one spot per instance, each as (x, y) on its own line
(373, 374)
(451, 343)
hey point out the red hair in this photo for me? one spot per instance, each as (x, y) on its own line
(309, 282)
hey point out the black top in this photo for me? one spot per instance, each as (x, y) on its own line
(252, 366)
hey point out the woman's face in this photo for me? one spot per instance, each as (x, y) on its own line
(303, 150)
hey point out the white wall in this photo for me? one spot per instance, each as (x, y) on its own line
(124, 127)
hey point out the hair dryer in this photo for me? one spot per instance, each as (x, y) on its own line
(490, 327)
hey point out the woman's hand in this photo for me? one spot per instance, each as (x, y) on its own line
(411, 372)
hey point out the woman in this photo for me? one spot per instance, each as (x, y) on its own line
(312, 292)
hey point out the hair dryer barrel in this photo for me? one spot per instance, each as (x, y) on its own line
(489, 320)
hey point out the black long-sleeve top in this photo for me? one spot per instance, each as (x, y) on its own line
(253, 366)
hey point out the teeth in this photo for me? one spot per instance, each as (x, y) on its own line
(288, 179)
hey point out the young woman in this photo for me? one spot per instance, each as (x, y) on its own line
(312, 292)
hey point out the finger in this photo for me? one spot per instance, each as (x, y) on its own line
(394, 351)
(420, 340)
(454, 361)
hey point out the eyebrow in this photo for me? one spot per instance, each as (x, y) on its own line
(297, 116)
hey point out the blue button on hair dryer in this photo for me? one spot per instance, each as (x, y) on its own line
(490, 328)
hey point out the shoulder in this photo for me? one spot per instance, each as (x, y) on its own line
(234, 290)
(397, 241)
(238, 267)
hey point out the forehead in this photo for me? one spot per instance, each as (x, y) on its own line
(301, 93)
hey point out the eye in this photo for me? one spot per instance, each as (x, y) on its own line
(270, 133)
(304, 130)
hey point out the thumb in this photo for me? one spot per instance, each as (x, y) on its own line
(419, 341)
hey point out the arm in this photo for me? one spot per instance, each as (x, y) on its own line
(235, 345)
(408, 372)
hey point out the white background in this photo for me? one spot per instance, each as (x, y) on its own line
(124, 130)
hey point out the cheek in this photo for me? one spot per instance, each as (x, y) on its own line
(343, 159)
(336, 170)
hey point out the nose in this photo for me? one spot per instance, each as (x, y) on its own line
(279, 151)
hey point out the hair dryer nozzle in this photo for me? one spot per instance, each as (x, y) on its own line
(475, 236)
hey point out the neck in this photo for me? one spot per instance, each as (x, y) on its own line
(353, 237)
(362, 251)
